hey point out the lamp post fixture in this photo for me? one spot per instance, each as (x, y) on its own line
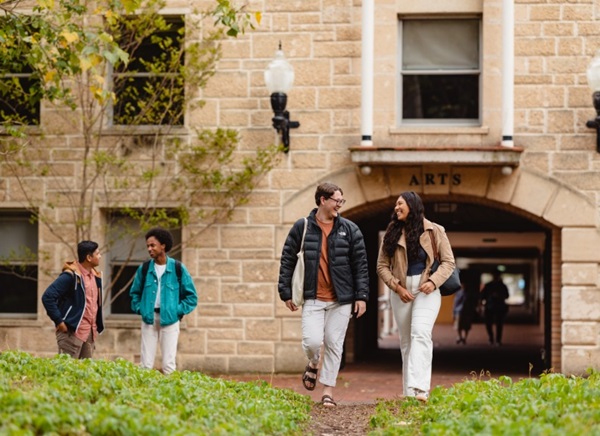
(279, 78)
(593, 76)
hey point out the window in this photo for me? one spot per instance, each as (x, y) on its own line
(19, 90)
(125, 252)
(440, 71)
(18, 102)
(150, 88)
(18, 263)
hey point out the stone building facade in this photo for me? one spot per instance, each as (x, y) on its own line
(549, 178)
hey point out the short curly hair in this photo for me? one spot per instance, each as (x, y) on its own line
(163, 236)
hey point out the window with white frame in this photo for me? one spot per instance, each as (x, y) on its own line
(440, 70)
(125, 252)
(150, 89)
(18, 263)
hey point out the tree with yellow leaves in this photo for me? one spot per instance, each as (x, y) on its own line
(116, 79)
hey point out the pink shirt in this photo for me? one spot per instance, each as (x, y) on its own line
(88, 322)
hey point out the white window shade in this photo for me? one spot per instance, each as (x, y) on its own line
(440, 45)
(124, 243)
(18, 233)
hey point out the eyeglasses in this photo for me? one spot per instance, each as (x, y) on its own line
(339, 202)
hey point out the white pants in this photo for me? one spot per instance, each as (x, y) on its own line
(415, 323)
(325, 323)
(167, 336)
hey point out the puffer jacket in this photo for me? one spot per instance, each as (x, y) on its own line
(64, 300)
(347, 260)
(393, 270)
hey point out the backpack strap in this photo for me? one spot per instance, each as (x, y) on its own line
(178, 271)
(145, 267)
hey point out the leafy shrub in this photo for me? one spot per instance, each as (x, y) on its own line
(65, 396)
(552, 404)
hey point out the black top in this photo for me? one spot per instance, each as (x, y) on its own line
(417, 266)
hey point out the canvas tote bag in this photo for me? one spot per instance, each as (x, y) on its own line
(298, 276)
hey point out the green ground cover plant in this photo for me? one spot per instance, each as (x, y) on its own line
(64, 396)
(553, 404)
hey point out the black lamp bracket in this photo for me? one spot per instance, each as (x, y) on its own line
(281, 120)
(595, 123)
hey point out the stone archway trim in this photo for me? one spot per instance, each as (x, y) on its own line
(571, 213)
(543, 197)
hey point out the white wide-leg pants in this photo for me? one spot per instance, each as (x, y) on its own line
(415, 324)
(167, 336)
(325, 323)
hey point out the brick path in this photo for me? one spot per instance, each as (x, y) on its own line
(365, 382)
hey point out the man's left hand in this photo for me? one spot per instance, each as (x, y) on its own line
(360, 307)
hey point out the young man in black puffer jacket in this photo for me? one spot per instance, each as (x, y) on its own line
(336, 284)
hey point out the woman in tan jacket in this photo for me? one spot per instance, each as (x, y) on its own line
(404, 264)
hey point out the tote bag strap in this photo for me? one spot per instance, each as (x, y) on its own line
(303, 235)
(434, 245)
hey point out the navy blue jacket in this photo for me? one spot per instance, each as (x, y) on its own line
(347, 260)
(64, 300)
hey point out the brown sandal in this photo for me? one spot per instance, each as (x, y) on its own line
(310, 383)
(327, 401)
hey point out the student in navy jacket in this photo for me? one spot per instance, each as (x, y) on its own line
(74, 303)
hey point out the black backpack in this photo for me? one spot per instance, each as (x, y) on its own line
(145, 267)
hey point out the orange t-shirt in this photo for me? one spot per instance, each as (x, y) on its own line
(325, 290)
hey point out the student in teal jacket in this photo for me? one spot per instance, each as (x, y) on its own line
(162, 293)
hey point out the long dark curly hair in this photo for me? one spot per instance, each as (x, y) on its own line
(413, 227)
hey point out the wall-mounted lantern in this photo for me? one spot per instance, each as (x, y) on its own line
(593, 76)
(279, 78)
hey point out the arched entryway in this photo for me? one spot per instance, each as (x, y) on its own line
(493, 203)
(486, 237)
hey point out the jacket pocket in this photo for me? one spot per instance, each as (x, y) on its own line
(169, 303)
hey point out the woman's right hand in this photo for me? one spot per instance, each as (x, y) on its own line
(405, 296)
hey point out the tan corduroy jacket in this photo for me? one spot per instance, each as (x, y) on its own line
(393, 270)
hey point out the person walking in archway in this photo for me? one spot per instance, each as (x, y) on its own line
(494, 296)
(468, 312)
(457, 307)
(404, 264)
